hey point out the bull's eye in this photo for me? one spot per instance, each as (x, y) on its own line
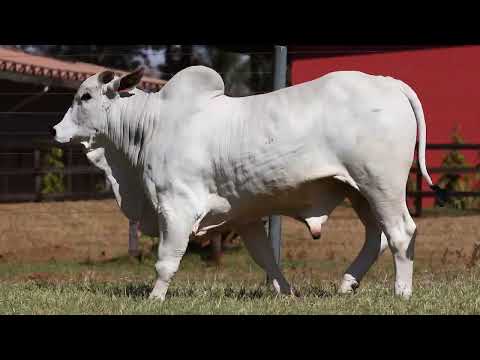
(86, 97)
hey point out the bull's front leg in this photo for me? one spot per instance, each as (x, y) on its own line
(176, 226)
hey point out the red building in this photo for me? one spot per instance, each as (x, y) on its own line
(446, 80)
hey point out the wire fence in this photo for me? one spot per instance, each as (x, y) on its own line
(10, 118)
(354, 49)
(75, 167)
(418, 194)
(147, 53)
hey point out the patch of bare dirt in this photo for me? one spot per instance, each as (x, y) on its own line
(75, 230)
(97, 230)
(440, 241)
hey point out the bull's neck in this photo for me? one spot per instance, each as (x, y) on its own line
(130, 125)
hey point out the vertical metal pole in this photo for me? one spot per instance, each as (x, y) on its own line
(279, 81)
(280, 67)
(216, 247)
(133, 248)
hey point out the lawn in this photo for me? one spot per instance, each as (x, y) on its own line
(122, 287)
(103, 280)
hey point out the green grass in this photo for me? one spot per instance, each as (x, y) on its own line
(122, 287)
(457, 296)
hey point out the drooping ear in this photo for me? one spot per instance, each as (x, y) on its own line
(129, 81)
(106, 76)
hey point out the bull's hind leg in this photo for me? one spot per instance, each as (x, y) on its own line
(256, 241)
(400, 231)
(375, 244)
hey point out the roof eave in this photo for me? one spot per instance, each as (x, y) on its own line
(62, 82)
(40, 80)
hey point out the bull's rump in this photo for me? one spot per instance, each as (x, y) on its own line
(346, 124)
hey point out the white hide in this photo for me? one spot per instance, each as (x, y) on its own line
(191, 159)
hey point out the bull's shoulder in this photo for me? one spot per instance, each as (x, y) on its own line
(194, 82)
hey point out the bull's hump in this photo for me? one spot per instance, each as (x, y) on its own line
(194, 82)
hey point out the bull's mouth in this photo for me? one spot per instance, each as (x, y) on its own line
(61, 140)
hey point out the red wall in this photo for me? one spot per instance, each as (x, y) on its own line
(446, 80)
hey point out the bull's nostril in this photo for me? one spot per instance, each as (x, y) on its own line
(53, 132)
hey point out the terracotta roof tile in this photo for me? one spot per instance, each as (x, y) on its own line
(21, 62)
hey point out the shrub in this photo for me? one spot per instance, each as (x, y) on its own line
(458, 182)
(52, 182)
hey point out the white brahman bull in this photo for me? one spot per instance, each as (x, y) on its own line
(147, 218)
(191, 160)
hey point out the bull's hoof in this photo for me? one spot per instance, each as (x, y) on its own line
(294, 293)
(349, 285)
(155, 296)
(403, 291)
(158, 292)
(289, 294)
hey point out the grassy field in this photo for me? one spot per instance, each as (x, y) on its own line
(100, 279)
(122, 287)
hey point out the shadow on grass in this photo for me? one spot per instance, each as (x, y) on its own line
(142, 290)
(133, 290)
(136, 291)
(316, 291)
(246, 293)
(264, 292)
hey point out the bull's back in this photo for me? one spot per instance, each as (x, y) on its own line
(323, 128)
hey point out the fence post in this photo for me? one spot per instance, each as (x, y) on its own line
(216, 242)
(279, 81)
(418, 195)
(133, 248)
(38, 176)
(69, 165)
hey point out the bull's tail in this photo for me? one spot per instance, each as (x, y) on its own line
(441, 194)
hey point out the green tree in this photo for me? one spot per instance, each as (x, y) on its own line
(243, 73)
(458, 182)
(52, 182)
(124, 57)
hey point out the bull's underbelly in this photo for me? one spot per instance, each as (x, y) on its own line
(314, 198)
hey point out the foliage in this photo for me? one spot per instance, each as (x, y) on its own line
(52, 182)
(458, 182)
(243, 74)
(125, 57)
